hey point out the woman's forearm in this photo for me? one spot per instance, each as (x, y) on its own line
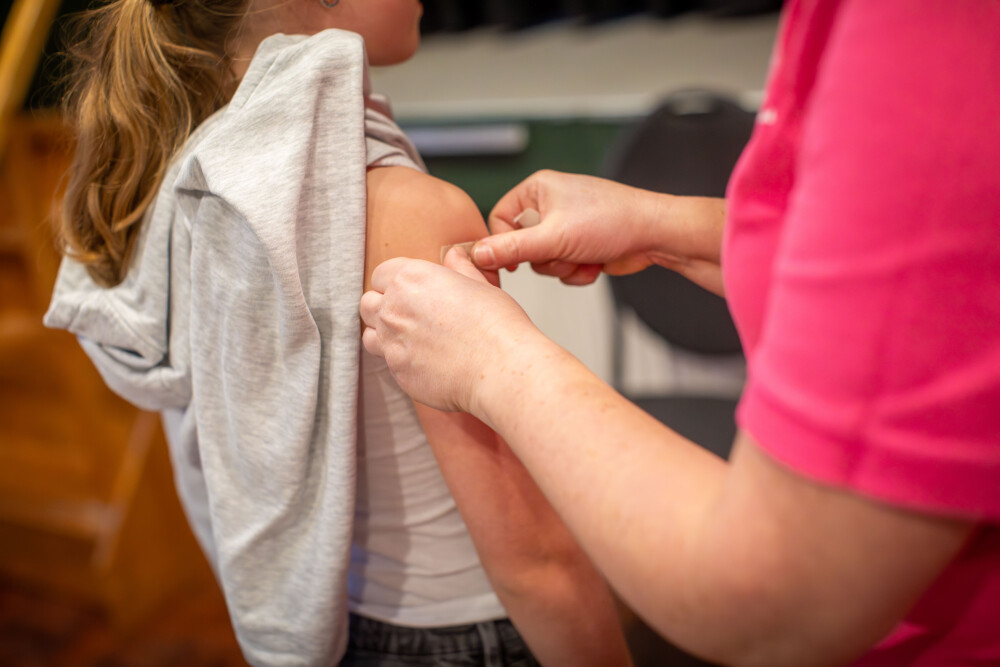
(624, 484)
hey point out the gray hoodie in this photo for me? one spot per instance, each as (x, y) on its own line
(238, 320)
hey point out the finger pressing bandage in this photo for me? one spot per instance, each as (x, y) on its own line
(529, 217)
(466, 248)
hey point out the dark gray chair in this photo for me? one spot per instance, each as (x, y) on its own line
(687, 146)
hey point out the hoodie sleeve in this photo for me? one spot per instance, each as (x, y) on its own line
(132, 332)
(275, 200)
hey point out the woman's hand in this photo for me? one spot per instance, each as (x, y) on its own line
(588, 225)
(440, 327)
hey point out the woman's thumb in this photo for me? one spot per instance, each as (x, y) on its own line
(510, 248)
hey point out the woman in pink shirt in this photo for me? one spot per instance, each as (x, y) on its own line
(858, 520)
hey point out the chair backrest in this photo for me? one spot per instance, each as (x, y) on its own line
(687, 146)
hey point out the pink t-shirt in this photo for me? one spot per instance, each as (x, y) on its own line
(862, 266)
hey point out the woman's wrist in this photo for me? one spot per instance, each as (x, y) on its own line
(686, 237)
(686, 229)
(501, 384)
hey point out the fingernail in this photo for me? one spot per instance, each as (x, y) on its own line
(483, 256)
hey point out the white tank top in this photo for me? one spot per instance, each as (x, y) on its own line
(412, 560)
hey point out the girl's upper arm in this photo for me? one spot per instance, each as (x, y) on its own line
(413, 214)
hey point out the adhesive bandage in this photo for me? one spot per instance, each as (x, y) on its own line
(466, 247)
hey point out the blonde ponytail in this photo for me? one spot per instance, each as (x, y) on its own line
(143, 76)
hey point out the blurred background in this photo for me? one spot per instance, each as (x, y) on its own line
(97, 565)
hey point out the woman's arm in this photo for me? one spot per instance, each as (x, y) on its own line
(746, 563)
(552, 592)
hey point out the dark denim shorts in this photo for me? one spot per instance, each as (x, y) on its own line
(372, 643)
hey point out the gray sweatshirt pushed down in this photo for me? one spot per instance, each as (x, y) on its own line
(238, 320)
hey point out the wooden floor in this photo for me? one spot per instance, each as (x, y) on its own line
(39, 628)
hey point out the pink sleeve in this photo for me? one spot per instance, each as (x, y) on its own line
(879, 363)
